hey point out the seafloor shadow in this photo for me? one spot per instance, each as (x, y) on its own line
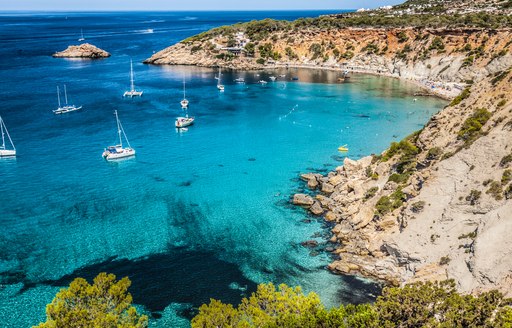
(190, 277)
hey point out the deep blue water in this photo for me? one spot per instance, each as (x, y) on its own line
(198, 214)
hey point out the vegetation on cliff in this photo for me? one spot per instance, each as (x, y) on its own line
(105, 303)
(416, 305)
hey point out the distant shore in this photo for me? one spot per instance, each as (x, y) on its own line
(443, 90)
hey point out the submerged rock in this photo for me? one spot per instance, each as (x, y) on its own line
(85, 50)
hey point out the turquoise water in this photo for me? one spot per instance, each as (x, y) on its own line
(196, 214)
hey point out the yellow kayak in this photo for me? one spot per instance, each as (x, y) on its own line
(343, 148)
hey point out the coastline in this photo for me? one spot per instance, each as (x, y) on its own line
(440, 92)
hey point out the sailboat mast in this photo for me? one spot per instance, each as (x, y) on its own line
(58, 95)
(131, 76)
(65, 95)
(119, 129)
(2, 128)
(184, 96)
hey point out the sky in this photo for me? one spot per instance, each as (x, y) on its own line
(171, 5)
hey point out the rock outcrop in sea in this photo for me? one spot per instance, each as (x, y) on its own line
(85, 50)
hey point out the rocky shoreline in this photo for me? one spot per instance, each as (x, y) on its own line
(85, 50)
(436, 205)
(447, 222)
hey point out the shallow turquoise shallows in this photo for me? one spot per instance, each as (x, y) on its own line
(196, 214)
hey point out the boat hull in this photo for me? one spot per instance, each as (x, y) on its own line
(67, 109)
(7, 153)
(126, 152)
(132, 94)
(182, 122)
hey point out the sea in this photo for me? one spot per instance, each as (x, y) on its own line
(197, 214)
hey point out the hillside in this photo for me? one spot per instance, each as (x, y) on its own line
(438, 204)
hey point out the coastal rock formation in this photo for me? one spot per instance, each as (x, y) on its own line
(450, 214)
(436, 205)
(440, 55)
(84, 50)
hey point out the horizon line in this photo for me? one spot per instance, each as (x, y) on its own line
(163, 10)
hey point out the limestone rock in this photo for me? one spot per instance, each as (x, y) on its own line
(327, 188)
(303, 200)
(85, 50)
(363, 217)
(316, 208)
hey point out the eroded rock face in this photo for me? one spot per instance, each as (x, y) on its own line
(85, 50)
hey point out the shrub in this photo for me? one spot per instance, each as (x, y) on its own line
(499, 76)
(316, 50)
(399, 178)
(402, 37)
(506, 160)
(195, 49)
(434, 153)
(437, 44)
(471, 129)
(418, 206)
(371, 48)
(371, 192)
(260, 61)
(506, 177)
(473, 197)
(502, 103)
(495, 190)
(471, 235)
(105, 303)
(463, 95)
(428, 304)
(508, 192)
(444, 260)
(387, 204)
(403, 147)
(250, 49)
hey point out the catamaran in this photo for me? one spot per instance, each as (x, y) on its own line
(117, 151)
(132, 92)
(219, 85)
(81, 35)
(4, 152)
(67, 107)
(184, 102)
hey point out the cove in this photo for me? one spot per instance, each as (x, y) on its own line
(196, 214)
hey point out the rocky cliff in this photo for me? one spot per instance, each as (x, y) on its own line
(85, 50)
(436, 205)
(445, 54)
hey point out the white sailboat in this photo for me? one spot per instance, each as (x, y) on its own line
(4, 152)
(184, 102)
(117, 151)
(183, 122)
(132, 92)
(67, 107)
(219, 85)
(81, 36)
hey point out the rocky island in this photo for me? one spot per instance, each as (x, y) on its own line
(438, 204)
(85, 50)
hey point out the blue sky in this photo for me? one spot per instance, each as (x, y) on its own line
(94, 5)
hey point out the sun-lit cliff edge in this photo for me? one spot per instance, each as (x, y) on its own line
(438, 204)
